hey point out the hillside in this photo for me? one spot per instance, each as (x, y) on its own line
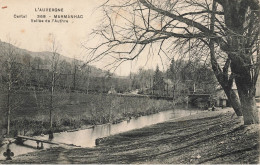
(45, 55)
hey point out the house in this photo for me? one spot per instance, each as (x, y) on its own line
(202, 101)
(221, 99)
(258, 86)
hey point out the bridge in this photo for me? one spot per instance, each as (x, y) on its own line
(199, 100)
(20, 139)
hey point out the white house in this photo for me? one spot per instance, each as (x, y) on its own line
(221, 98)
(258, 87)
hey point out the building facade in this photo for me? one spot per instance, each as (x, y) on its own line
(258, 87)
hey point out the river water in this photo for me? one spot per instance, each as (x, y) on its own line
(87, 137)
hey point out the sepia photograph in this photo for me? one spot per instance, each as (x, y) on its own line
(129, 81)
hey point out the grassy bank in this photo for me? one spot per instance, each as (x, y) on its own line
(208, 137)
(78, 110)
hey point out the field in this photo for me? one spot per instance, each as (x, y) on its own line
(76, 110)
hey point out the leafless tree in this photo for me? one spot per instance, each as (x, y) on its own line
(227, 30)
(75, 64)
(54, 63)
(13, 77)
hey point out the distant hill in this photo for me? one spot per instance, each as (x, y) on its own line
(95, 72)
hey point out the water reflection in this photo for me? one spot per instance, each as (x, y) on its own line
(87, 137)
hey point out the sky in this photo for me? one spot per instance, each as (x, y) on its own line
(36, 36)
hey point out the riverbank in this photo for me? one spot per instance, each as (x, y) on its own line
(43, 132)
(208, 137)
(73, 111)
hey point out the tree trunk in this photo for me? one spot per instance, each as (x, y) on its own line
(8, 113)
(234, 101)
(240, 52)
(222, 75)
(249, 110)
(246, 92)
(52, 93)
(248, 103)
(225, 84)
(51, 107)
(9, 100)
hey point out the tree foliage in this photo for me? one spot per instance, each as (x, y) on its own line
(158, 82)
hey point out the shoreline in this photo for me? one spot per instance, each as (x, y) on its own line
(9, 140)
(209, 137)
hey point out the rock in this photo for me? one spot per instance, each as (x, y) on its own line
(98, 141)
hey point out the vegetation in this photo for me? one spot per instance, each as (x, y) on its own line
(225, 31)
(76, 110)
(24, 73)
(158, 82)
(35, 89)
(190, 77)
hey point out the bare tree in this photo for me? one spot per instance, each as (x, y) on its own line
(75, 64)
(132, 28)
(88, 77)
(13, 77)
(54, 62)
(85, 71)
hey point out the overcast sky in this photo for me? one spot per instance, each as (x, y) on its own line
(35, 36)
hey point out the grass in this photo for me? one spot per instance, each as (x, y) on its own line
(77, 110)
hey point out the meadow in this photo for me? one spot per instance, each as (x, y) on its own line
(76, 110)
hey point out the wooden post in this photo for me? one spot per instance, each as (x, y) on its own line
(42, 145)
(187, 102)
(19, 140)
(50, 135)
(38, 144)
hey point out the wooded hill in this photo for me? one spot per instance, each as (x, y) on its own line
(33, 69)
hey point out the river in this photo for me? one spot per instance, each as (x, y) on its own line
(87, 137)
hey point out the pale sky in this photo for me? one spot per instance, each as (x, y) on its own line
(35, 36)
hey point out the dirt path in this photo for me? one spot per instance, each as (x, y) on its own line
(211, 137)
